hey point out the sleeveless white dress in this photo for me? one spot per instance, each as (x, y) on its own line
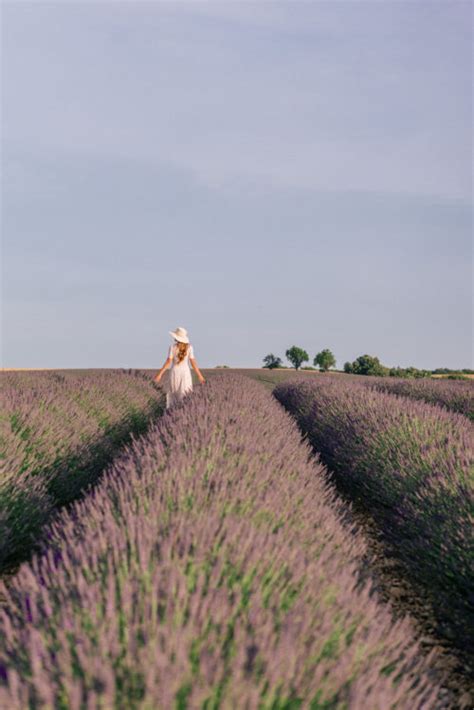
(180, 379)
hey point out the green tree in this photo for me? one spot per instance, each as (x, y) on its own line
(396, 371)
(368, 365)
(272, 361)
(348, 367)
(408, 372)
(325, 359)
(297, 356)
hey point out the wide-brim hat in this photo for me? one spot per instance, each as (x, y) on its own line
(180, 334)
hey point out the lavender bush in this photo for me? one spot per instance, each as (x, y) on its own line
(58, 431)
(411, 465)
(209, 568)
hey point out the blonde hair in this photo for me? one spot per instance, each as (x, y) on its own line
(182, 349)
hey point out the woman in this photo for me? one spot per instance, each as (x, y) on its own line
(180, 354)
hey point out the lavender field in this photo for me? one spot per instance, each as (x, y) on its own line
(59, 430)
(454, 395)
(203, 557)
(411, 465)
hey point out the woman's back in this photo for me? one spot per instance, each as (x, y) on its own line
(173, 354)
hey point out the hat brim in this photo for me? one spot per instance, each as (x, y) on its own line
(179, 338)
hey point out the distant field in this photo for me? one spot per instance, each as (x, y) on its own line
(464, 375)
(234, 369)
(24, 369)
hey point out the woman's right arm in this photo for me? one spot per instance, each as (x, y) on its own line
(158, 376)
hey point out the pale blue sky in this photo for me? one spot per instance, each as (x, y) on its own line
(262, 173)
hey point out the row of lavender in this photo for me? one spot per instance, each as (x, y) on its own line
(455, 395)
(58, 431)
(411, 465)
(209, 568)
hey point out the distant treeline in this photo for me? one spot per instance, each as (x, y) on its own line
(447, 371)
(363, 365)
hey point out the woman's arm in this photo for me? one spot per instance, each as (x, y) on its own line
(197, 370)
(158, 377)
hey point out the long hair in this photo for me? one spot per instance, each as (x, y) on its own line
(182, 349)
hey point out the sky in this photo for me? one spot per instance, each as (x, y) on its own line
(264, 174)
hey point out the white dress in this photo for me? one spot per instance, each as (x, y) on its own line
(180, 379)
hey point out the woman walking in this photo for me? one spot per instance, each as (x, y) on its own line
(180, 355)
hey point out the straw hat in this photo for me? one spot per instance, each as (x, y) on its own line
(180, 334)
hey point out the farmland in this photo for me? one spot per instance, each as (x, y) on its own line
(231, 552)
(411, 465)
(58, 432)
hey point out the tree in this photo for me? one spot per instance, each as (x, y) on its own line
(408, 372)
(368, 365)
(325, 359)
(396, 371)
(348, 367)
(297, 356)
(272, 361)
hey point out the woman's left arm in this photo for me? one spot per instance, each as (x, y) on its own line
(197, 370)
